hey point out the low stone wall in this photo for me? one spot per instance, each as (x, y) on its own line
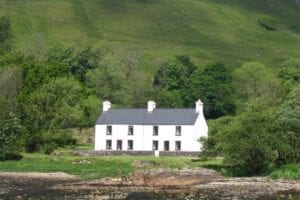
(135, 153)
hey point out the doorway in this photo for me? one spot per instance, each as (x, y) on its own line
(166, 145)
(119, 145)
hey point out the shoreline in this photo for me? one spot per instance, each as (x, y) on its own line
(152, 184)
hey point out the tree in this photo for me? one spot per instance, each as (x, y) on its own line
(54, 105)
(11, 131)
(253, 80)
(10, 125)
(214, 86)
(290, 72)
(172, 79)
(212, 145)
(5, 35)
(251, 140)
(289, 121)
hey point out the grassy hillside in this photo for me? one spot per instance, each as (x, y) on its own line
(206, 30)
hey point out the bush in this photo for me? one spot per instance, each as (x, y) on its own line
(269, 23)
(48, 142)
(11, 156)
(49, 148)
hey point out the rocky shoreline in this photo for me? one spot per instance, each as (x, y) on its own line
(152, 184)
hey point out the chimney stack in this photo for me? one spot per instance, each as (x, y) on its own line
(199, 106)
(151, 106)
(106, 106)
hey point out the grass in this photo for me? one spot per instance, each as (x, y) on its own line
(206, 30)
(112, 166)
(289, 171)
(94, 167)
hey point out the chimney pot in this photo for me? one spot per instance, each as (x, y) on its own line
(151, 106)
(199, 106)
(106, 106)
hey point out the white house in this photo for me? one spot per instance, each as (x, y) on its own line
(150, 129)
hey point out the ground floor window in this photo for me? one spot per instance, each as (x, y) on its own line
(108, 144)
(130, 145)
(119, 145)
(177, 146)
(166, 145)
(155, 145)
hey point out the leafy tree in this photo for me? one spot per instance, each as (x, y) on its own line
(212, 145)
(11, 131)
(251, 139)
(214, 86)
(172, 79)
(10, 125)
(290, 72)
(5, 35)
(289, 120)
(54, 105)
(68, 61)
(253, 80)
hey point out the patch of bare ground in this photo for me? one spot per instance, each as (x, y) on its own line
(146, 184)
(187, 184)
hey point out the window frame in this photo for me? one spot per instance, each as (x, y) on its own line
(130, 128)
(166, 142)
(176, 142)
(121, 149)
(132, 143)
(157, 145)
(180, 130)
(155, 130)
(109, 130)
(110, 142)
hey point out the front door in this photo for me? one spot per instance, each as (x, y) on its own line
(167, 146)
(119, 145)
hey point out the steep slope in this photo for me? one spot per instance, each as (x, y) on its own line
(207, 30)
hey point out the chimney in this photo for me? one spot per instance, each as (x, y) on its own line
(199, 106)
(151, 106)
(106, 106)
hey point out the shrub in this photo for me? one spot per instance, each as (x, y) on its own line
(49, 148)
(11, 156)
(269, 23)
(48, 141)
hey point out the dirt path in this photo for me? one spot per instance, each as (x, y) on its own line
(153, 184)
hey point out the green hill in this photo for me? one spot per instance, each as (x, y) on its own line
(206, 30)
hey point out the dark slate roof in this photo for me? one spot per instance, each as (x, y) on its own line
(141, 116)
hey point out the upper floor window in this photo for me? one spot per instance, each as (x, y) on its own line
(178, 131)
(108, 130)
(155, 130)
(130, 130)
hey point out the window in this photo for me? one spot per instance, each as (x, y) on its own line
(167, 146)
(155, 145)
(108, 130)
(130, 130)
(155, 130)
(177, 145)
(178, 131)
(108, 144)
(130, 145)
(119, 145)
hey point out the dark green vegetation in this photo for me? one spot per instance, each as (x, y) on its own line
(60, 59)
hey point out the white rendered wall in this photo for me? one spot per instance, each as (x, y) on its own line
(143, 136)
